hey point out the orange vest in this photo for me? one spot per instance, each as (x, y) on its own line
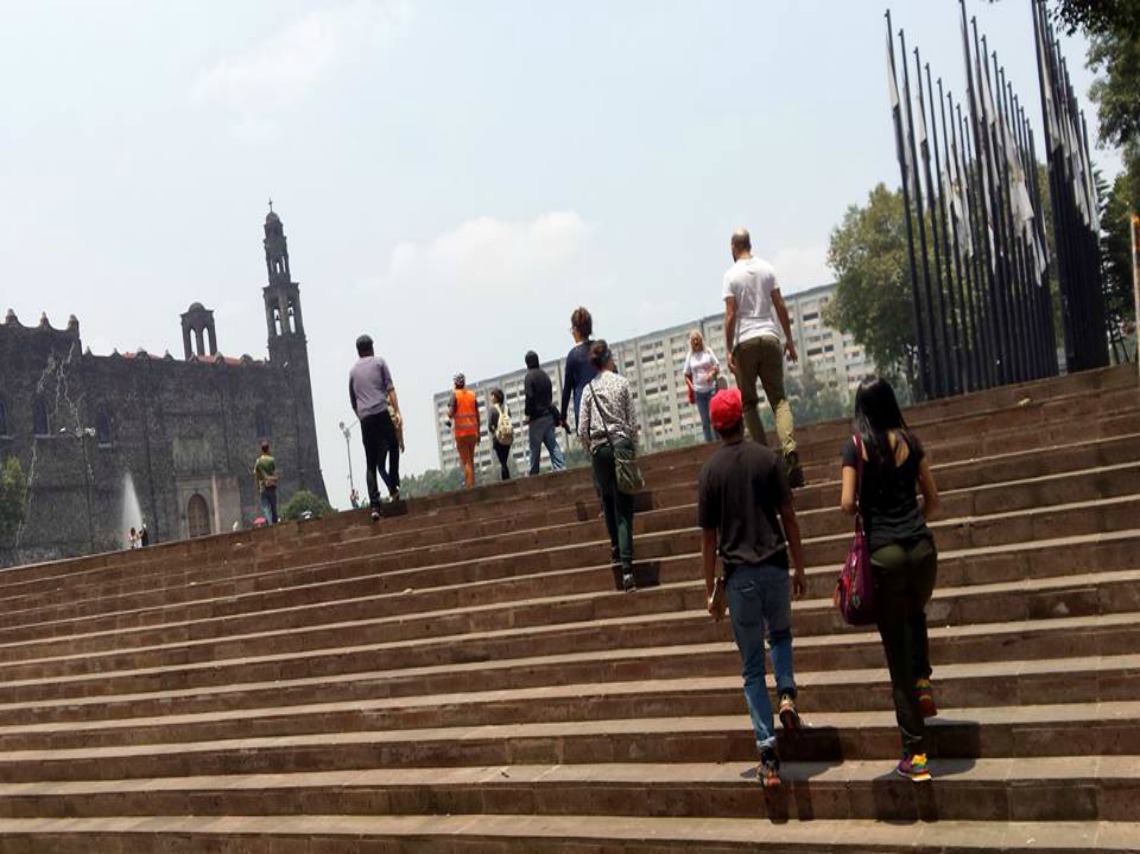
(466, 420)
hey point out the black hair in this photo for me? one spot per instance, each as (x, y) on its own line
(265, 447)
(364, 345)
(532, 359)
(876, 414)
(600, 354)
(497, 395)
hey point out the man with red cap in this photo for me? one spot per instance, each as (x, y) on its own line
(743, 488)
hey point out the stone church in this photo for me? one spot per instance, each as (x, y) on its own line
(104, 440)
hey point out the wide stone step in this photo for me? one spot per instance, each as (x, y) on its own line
(995, 529)
(165, 619)
(186, 564)
(990, 732)
(527, 834)
(668, 615)
(1055, 789)
(1027, 648)
(670, 606)
(1083, 680)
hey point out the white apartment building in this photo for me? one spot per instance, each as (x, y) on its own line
(653, 363)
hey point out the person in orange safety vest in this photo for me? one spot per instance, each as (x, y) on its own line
(463, 409)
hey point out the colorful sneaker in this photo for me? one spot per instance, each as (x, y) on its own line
(789, 717)
(768, 773)
(925, 693)
(914, 767)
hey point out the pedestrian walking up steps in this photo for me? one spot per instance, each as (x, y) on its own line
(464, 679)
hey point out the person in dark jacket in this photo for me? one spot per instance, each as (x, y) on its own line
(579, 369)
(542, 417)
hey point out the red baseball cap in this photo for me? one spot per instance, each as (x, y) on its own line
(726, 409)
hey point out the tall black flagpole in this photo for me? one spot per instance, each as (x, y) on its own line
(989, 261)
(937, 377)
(944, 356)
(969, 352)
(923, 368)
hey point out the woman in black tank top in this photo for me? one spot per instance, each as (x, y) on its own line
(903, 556)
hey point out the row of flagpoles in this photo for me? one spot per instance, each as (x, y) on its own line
(976, 234)
(1076, 207)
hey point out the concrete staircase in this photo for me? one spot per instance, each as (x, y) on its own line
(464, 679)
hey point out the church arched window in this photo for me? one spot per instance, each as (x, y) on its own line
(261, 423)
(40, 425)
(103, 427)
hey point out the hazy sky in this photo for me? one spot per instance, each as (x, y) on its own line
(455, 176)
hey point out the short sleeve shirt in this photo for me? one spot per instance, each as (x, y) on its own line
(702, 367)
(887, 495)
(742, 487)
(751, 282)
(265, 467)
(371, 384)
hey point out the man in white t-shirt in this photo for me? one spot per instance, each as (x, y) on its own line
(754, 317)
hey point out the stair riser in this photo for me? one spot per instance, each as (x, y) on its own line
(886, 800)
(958, 505)
(201, 561)
(966, 608)
(979, 533)
(958, 740)
(861, 651)
(955, 694)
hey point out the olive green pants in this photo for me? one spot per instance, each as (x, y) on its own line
(763, 359)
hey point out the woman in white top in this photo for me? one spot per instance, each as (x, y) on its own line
(701, 372)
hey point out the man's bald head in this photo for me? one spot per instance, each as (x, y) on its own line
(741, 243)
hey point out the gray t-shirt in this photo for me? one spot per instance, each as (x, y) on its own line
(369, 383)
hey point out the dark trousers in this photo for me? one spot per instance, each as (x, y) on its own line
(503, 452)
(904, 581)
(617, 505)
(381, 452)
(269, 505)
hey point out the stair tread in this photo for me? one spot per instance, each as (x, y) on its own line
(738, 834)
(647, 774)
(678, 686)
(1092, 714)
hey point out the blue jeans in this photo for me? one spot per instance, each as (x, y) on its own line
(703, 398)
(269, 505)
(759, 602)
(544, 432)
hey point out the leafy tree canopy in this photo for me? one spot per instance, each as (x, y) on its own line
(13, 489)
(868, 252)
(304, 502)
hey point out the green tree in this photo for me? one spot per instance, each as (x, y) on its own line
(431, 482)
(815, 397)
(303, 502)
(868, 252)
(1116, 252)
(13, 490)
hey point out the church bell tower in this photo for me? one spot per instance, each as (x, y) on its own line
(282, 299)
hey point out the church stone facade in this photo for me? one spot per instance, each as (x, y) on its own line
(183, 432)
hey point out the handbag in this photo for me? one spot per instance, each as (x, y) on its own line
(626, 470)
(855, 590)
